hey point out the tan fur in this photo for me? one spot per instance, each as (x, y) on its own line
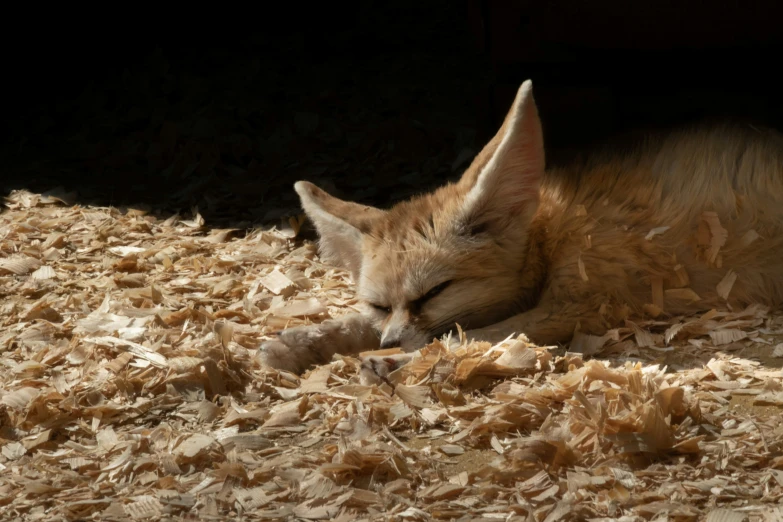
(512, 237)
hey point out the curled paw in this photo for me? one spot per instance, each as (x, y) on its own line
(376, 369)
(297, 349)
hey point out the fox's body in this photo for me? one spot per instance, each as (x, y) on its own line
(512, 248)
(602, 213)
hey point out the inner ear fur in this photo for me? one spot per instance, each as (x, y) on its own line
(503, 181)
(341, 225)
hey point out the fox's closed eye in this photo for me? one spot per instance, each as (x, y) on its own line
(435, 290)
(384, 309)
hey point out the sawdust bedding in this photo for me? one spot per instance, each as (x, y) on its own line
(130, 388)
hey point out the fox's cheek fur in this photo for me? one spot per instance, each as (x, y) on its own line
(474, 297)
(469, 304)
(409, 335)
(473, 304)
(414, 339)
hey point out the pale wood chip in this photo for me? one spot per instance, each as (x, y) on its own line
(300, 308)
(726, 284)
(135, 348)
(656, 231)
(684, 294)
(43, 273)
(277, 283)
(582, 270)
(718, 234)
(749, 237)
(19, 265)
(416, 396)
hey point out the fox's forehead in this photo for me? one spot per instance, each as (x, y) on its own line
(413, 248)
(428, 216)
(400, 272)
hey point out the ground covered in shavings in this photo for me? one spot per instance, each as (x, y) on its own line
(131, 389)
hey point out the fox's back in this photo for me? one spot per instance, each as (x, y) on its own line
(665, 202)
(700, 167)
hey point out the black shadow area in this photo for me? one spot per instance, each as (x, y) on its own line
(373, 101)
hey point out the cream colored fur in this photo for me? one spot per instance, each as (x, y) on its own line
(528, 250)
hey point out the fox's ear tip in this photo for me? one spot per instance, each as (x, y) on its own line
(305, 188)
(525, 90)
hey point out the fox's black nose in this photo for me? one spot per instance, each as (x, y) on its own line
(390, 342)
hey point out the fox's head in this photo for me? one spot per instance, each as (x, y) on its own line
(457, 255)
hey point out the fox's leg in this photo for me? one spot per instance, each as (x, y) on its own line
(296, 349)
(547, 324)
(544, 325)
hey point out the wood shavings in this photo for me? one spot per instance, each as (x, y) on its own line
(684, 294)
(581, 266)
(682, 275)
(715, 235)
(749, 237)
(18, 265)
(131, 390)
(44, 273)
(276, 282)
(726, 284)
(300, 308)
(193, 446)
(416, 396)
(655, 231)
(643, 338)
(124, 251)
(721, 337)
(589, 344)
(136, 349)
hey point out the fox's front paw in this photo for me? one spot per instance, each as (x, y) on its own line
(297, 349)
(277, 355)
(375, 369)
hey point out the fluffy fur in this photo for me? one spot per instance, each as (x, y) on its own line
(514, 248)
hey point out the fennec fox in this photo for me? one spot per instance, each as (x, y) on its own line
(511, 248)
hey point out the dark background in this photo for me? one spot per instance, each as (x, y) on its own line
(375, 101)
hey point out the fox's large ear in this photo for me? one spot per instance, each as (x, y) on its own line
(504, 178)
(340, 225)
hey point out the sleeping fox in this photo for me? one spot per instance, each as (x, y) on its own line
(685, 223)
